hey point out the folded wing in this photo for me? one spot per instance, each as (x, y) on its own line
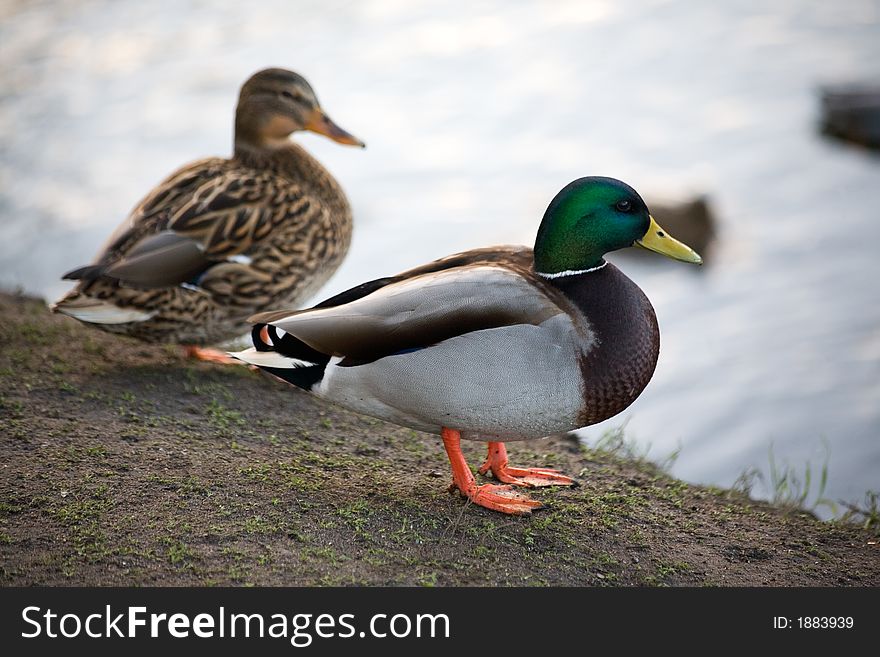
(419, 311)
(205, 214)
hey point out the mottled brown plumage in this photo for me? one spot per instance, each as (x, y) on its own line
(221, 239)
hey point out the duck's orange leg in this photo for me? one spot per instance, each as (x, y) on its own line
(491, 496)
(496, 461)
(209, 355)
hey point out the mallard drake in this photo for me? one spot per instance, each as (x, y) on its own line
(496, 344)
(221, 239)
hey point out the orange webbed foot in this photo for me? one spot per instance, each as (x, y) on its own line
(497, 463)
(490, 496)
(502, 498)
(210, 355)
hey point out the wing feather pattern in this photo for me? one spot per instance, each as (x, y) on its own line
(419, 311)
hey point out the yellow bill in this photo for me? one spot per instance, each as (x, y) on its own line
(657, 239)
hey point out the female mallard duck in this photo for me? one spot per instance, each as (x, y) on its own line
(495, 344)
(221, 239)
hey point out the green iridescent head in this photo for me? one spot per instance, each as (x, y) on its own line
(594, 215)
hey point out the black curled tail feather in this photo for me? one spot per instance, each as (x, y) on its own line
(286, 345)
(304, 376)
(259, 343)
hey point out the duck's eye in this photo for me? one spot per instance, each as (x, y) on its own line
(291, 96)
(624, 206)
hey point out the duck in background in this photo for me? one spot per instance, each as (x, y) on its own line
(495, 344)
(221, 239)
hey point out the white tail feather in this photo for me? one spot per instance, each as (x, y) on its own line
(100, 312)
(268, 359)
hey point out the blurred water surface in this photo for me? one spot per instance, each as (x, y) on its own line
(475, 114)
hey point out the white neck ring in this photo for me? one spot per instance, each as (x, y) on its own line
(572, 272)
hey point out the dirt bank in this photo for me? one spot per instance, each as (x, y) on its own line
(125, 464)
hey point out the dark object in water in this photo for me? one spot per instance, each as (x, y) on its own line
(852, 113)
(692, 221)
